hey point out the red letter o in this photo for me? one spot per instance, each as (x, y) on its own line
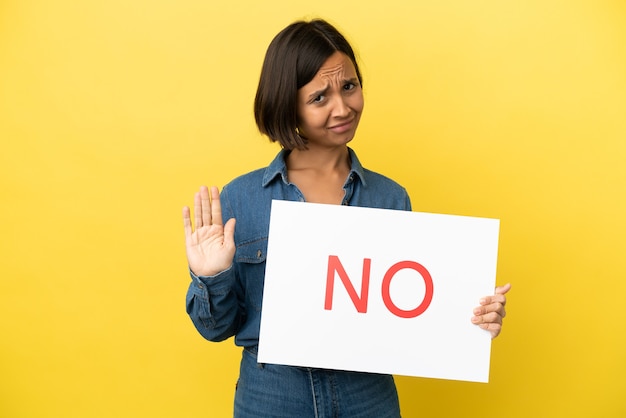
(428, 296)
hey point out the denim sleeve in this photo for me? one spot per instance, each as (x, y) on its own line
(407, 203)
(212, 305)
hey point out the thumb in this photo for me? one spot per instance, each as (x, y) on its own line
(229, 231)
(501, 290)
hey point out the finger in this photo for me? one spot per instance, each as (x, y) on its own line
(496, 302)
(216, 206)
(494, 306)
(187, 222)
(197, 210)
(489, 318)
(497, 298)
(206, 206)
(492, 318)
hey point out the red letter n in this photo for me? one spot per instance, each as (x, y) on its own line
(334, 265)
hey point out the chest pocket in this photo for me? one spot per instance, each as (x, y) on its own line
(250, 258)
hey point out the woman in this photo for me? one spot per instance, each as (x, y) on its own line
(309, 100)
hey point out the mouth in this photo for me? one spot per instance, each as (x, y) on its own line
(342, 127)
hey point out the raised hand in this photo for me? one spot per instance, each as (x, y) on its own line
(211, 246)
(491, 312)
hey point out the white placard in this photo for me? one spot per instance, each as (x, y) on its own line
(426, 273)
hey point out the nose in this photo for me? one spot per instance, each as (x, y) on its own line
(341, 107)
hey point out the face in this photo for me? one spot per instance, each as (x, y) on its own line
(330, 105)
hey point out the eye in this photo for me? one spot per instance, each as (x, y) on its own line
(349, 86)
(318, 99)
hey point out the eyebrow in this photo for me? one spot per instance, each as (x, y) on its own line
(353, 80)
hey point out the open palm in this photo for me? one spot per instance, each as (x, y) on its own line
(211, 246)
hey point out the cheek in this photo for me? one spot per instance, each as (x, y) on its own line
(312, 118)
(357, 103)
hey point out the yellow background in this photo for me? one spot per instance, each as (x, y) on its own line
(112, 113)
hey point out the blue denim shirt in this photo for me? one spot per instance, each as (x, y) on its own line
(229, 303)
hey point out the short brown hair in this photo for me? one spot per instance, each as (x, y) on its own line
(292, 59)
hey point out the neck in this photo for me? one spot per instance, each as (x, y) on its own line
(318, 159)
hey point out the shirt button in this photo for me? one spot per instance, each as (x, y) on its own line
(258, 254)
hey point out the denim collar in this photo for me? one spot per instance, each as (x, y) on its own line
(279, 167)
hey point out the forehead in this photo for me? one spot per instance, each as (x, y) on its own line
(337, 65)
